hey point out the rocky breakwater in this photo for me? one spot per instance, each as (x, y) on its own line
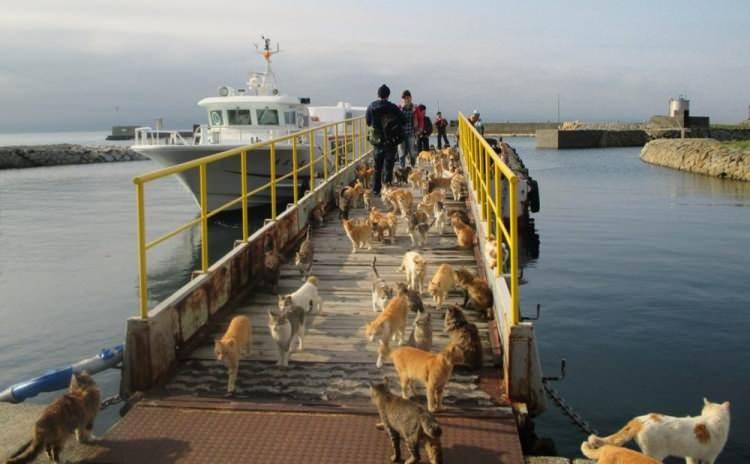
(29, 156)
(730, 160)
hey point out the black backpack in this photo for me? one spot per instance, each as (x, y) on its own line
(427, 126)
(391, 131)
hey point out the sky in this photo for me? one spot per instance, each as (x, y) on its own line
(89, 65)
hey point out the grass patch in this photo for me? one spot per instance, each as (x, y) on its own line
(743, 145)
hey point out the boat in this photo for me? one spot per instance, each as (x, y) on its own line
(239, 117)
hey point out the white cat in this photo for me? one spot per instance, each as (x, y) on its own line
(697, 439)
(307, 297)
(415, 267)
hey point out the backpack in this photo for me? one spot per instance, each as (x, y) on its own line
(427, 126)
(391, 131)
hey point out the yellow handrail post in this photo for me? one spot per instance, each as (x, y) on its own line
(336, 142)
(327, 150)
(356, 142)
(346, 145)
(142, 267)
(325, 159)
(272, 154)
(243, 186)
(487, 169)
(513, 220)
(312, 166)
(204, 217)
(498, 220)
(295, 189)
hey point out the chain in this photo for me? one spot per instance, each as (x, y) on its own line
(107, 402)
(568, 410)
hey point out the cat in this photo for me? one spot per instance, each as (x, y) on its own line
(400, 200)
(304, 257)
(413, 299)
(609, 454)
(368, 197)
(462, 216)
(464, 335)
(271, 264)
(442, 282)
(438, 182)
(407, 420)
(381, 291)
(421, 333)
(476, 290)
(391, 323)
(363, 173)
(285, 327)
(464, 233)
(424, 158)
(418, 223)
(457, 185)
(72, 413)
(318, 214)
(697, 439)
(359, 234)
(430, 200)
(441, 216)
(433, 370)
(307, 296)
(349, 197)
(415, 178)
(383, 222)
(415, 267)
(232, 346)
(402, 174)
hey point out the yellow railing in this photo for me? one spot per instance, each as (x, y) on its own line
(344, 141)
(488, 174)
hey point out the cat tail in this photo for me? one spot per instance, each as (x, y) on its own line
(309, 232)
(430, 426)
(374, 269)
(28, 452)
(618, 438)
(590, 452)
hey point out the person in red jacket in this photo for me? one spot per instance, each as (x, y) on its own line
(441, 125)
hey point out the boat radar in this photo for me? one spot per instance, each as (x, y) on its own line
(264, 83)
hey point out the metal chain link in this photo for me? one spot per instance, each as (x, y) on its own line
(568, 410)
(112, 400)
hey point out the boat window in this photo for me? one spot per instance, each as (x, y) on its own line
(238, 117)
(290, 118)
(267, 117)
(215, 118)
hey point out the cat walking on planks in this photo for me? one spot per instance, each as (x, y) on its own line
(285, 326)
(433, 370)
(232, 346)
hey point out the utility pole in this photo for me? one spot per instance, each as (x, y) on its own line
(558, 108)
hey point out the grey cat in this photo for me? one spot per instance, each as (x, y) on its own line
(285, 326)
(407, 420)
(421, 334)
(381, 291)
(304, 257)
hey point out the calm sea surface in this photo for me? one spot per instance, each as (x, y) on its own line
(642, 276)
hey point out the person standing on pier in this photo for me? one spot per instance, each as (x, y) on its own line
(412, 125)
(441, 125)
(476, 121)
(386, 123)
(424, 136)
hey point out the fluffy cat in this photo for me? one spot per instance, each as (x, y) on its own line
(232, 346)
(307, 296)
(381, 291)
(442, 282)
(415, 267)
(461, 215)
(433, 370)
(464, 233)
(457, 184)
(359, 234)
(400, 200)
(421, 333)
(271, 264)
(391, 323)
(476, 290)
(402, 174)
(464, 335)
(697, 439)
(303, 259)
(609, 454)
(407, 420)
(413, 299)
(284, 328)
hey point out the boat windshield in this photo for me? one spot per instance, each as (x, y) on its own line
(238, 117)
(267, 117)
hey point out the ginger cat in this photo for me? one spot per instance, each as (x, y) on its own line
(430, 200)
(464, 233)
(359, 234)
(433, 370)
(349, 197)
(442, 282)
(400, 200)
(697, 439)
(457, 185)
(383, 222)
(232, 346)
(415, 267)
(74, 412)
(391, 323)
(415, 178)
(609, 454)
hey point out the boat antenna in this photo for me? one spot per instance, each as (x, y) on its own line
(268, 85)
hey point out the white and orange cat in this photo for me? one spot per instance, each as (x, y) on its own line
(698, 439)
(442, 282)
(433, 370)
(359, 234)
(414, 266)
(609, 454)
(232, 346)
(391, 323)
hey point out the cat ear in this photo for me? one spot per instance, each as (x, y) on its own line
(725, 405)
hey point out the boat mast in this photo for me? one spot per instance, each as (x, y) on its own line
(266, 85)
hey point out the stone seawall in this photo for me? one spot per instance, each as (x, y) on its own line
(29, 156)
(702, 156)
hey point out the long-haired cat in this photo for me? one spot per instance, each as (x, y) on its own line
(381, 291)
(401, 175)
(412, 297)
(433, 370)
(306, 297)
(271, 264)
(407, 420)
(359, 234)
(609, 454)
(232, 346)
(697, 439)
(421, 333)
(74, 412)
(464, 233)
(465, 336)
(391, 323)
(415, 267)
(476, 290)
(285, 327)
(303, 259)
(442, 282)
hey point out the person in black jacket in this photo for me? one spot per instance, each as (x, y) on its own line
(383, 153)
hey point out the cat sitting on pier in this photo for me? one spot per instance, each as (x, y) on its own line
(609, 454)
(307, 296)
(271, 264)
(415, 267)
(464, 233)
(465, 336)
(476, 290)
(304, 257)
(433, 370)
(232, 346)
(381, 291)
(421, 334)
(74, 412)
(285, 326)
(407, 420)
(697, 439)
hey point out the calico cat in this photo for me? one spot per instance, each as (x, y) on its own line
(457, 184)
(391, 323)
(74, 412)
(232, 346)
(304, 257)
(465, 336)
(609, 454)
(414, 300)
(464, 233)
(415, 267)
(381, 291)
(476, 290)
(407, 420)
(359, 234)
(284, 328)
(421, 334)
(307, 296)
(442, 282)
(697, 439)
(433, 370)
(271, 264)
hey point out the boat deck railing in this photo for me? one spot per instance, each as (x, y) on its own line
(327, 149)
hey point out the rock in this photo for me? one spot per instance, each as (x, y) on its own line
(702, 156)
(16, 157)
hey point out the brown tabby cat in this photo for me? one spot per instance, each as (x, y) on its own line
(476, 290)
(73, 412)
(408, 420)
(433, 370)
(464, 335)
(271, 264)
(421, 334)
(304, 257)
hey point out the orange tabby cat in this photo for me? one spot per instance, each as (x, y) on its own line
(442, 282)
(464, 233)
(433, 370)
(609, 454)
(401, 200)
(232, 346)
(389, 324)
(359, 234)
